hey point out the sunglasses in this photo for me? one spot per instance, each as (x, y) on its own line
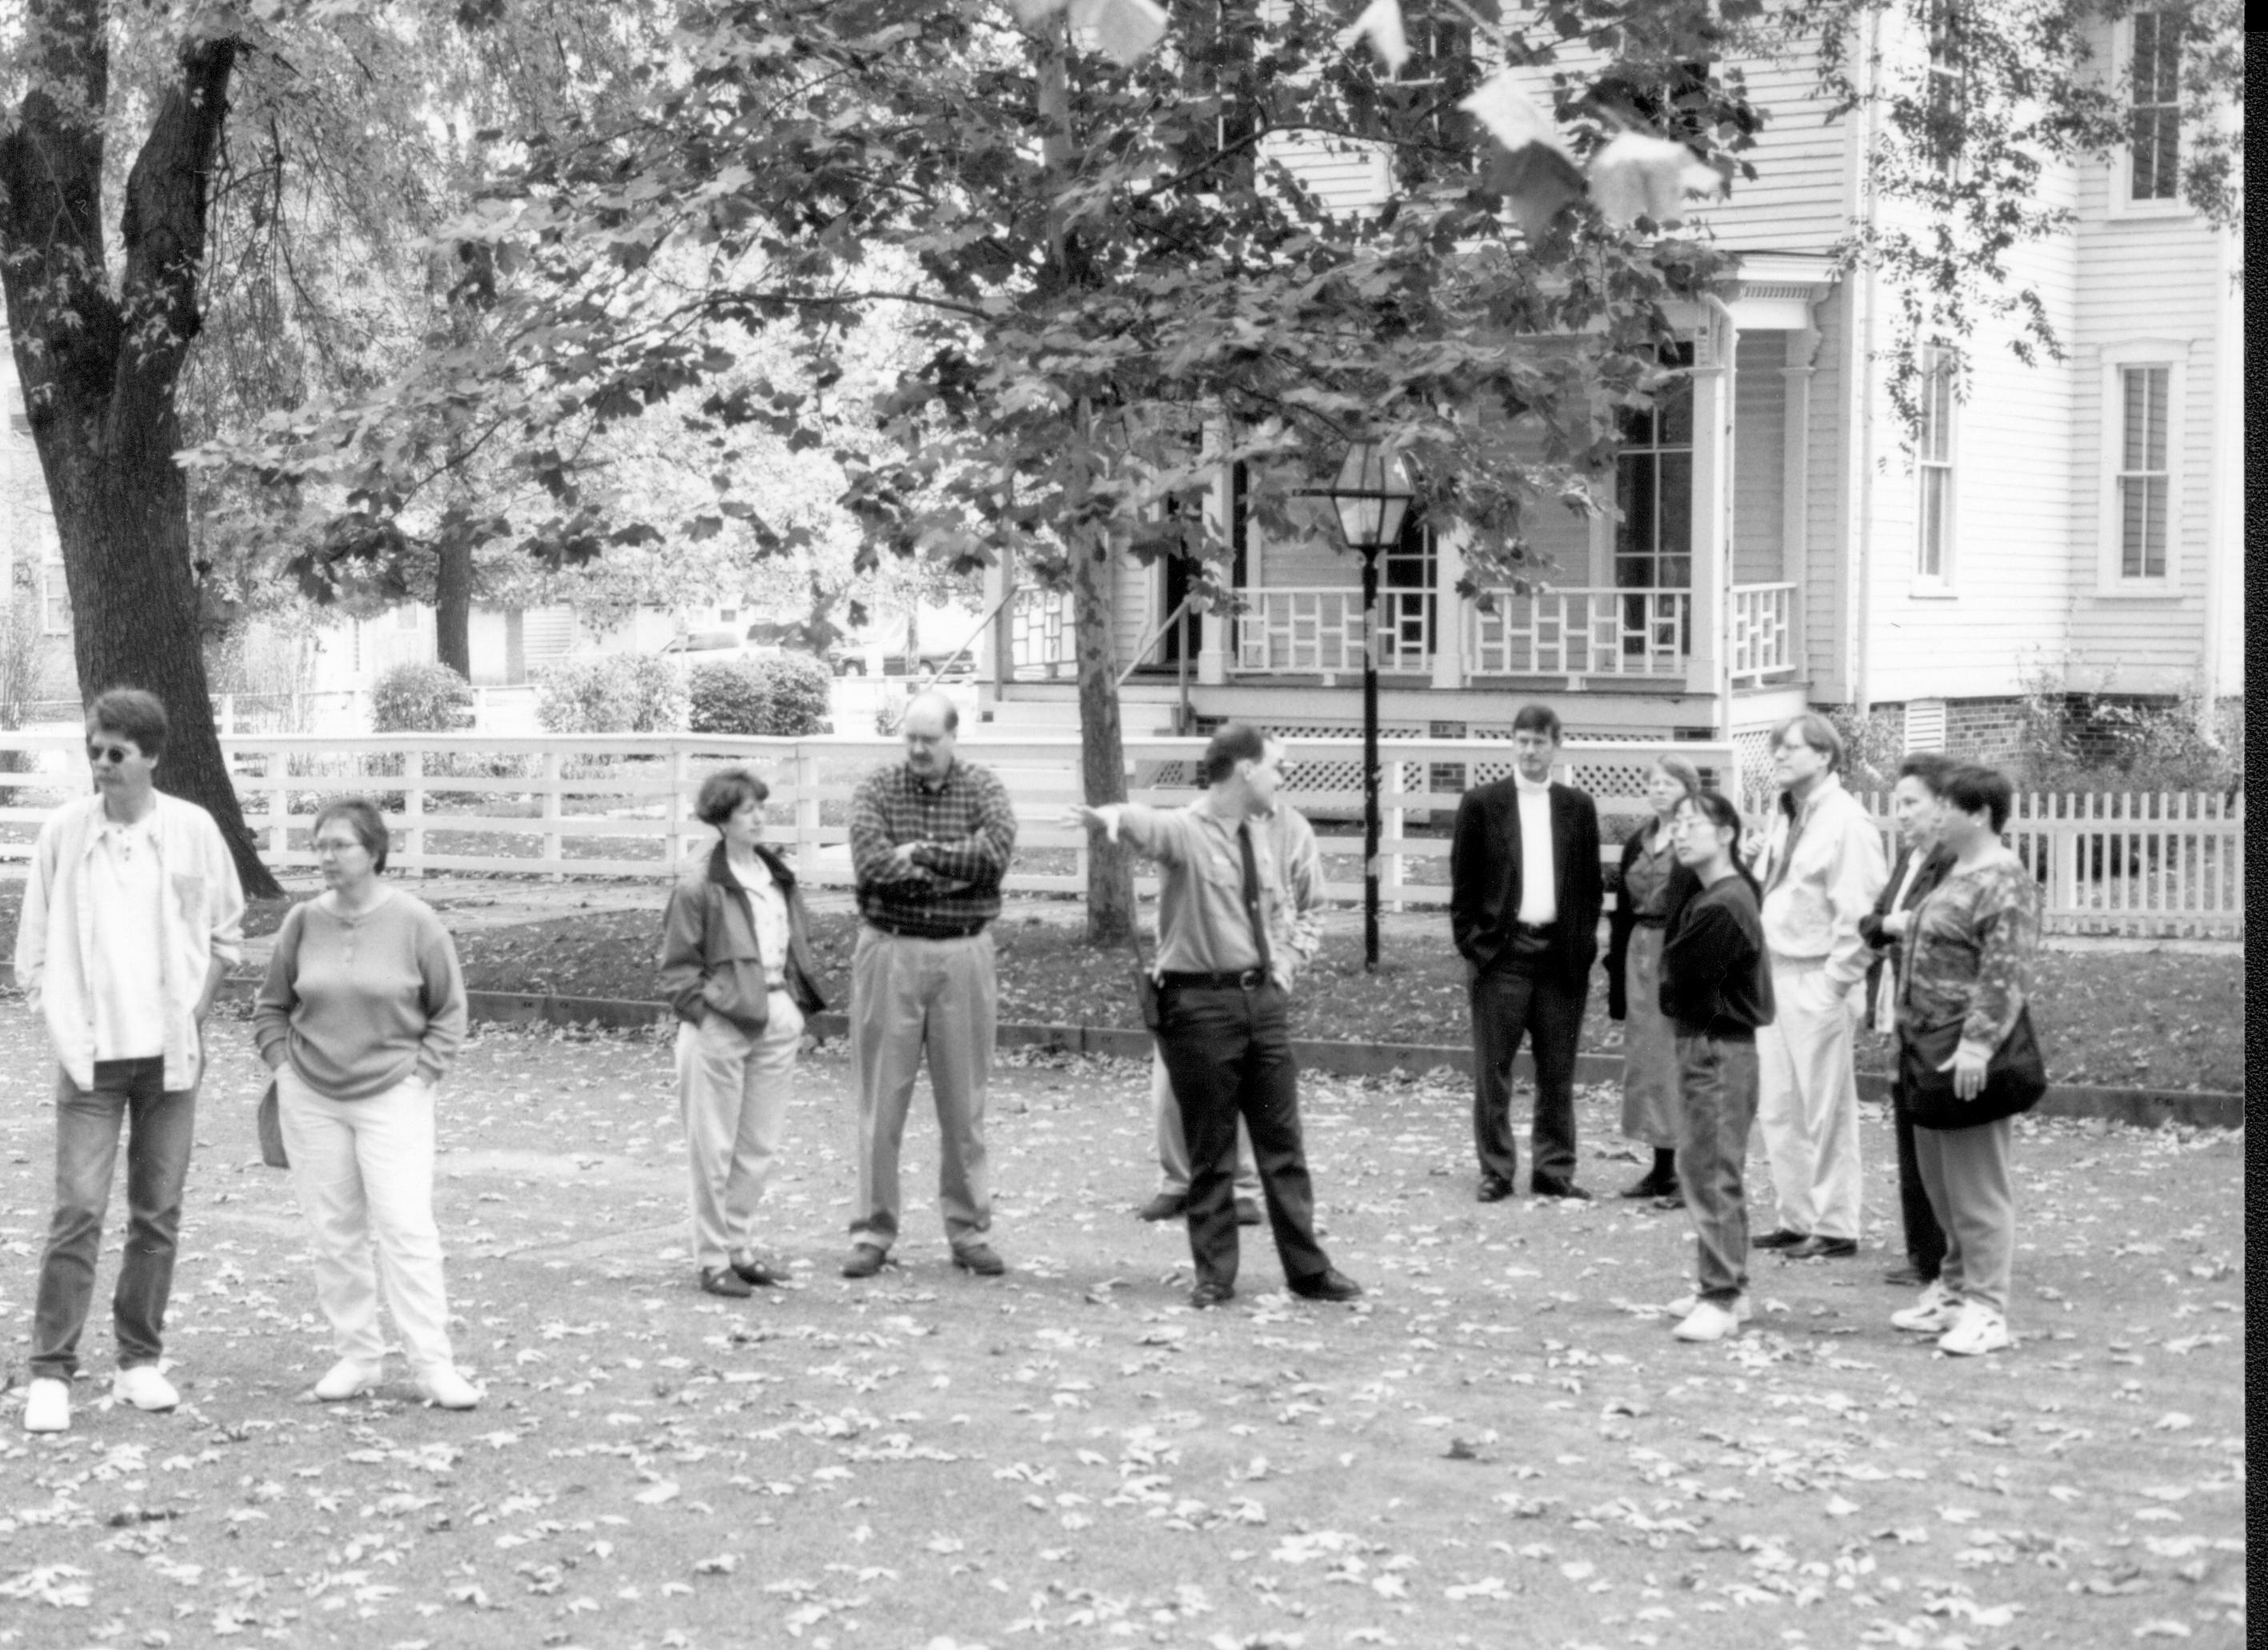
(109, 753)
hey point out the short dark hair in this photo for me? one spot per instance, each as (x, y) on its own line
(723, 792)
(1538, 719)
(132, 712)
(1718, 809)
(1933, 768)
(1233, 742)
(1816, 731)
(363, 818)
(1973, 787)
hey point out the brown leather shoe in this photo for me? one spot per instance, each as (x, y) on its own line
(1165, 1206)
(748, 1269)
(725, 1281)
(863, 1260)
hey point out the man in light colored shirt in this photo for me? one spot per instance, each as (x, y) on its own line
(1228, 942)
(1293, 840)
(1525, 894)
(132, 915)
(1823, 868)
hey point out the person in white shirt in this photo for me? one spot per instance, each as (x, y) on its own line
(132, 915)
(1823, 867)
(1525, 893)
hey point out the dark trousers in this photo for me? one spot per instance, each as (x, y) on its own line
(1924, 1237)
(1511, 997)
(1229, 1055)
(1717, 1087)
(161, 1128)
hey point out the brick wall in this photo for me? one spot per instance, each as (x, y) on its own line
(1981, 729)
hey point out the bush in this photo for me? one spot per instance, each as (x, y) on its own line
(783, 697)
(620, 693)
(420, 699)
(1872, 747)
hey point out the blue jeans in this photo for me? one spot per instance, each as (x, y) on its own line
(1716, 1084)
(161, 1128)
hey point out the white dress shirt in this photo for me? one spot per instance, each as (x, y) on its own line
(1539, 887)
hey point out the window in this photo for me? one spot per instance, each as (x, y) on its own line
(55, 601)
(1933, 461)
(1654, 493)
(1946, 104)
(2154, 144)
(2145, 476)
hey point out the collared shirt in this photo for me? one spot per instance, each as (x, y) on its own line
(124, 883)
(199, 922)
(969, 828)
(1203, 928)
(769, 907)
(1539, 889)
(1824, 870)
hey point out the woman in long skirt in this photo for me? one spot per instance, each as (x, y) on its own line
(1653, 887)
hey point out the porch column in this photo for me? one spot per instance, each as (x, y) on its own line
(1714, 343)
(1795, 478)
(996, 662)
(1448, 608)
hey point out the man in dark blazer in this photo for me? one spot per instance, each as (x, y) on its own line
(1525, 893)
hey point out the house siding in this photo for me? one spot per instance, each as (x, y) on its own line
(1759, 458)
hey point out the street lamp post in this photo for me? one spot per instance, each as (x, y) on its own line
(1371, 495)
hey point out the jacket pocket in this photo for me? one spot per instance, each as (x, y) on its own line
(736, 989)
(189, 896)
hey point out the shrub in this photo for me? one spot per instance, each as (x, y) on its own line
(1872, 747)
(782, 697)
(420, 699)
(622, 693)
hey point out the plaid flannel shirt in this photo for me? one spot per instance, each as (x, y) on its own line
(967, 830)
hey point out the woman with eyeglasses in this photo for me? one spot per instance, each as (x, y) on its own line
(1716, 990)
(360, 1018)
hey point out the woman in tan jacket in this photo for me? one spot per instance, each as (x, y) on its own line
(736, 966)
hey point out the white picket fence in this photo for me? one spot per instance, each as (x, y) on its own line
(620, 806)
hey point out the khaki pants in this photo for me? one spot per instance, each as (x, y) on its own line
(1807, 1100)
(1174, 1146)
(913, 1001)
(1965, 1172)
(734, 1089)
(363, 1171)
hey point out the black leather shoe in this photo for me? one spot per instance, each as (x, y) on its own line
(1908, 1276)
(979, 1259)
(1824, 1249)
(863, 1260)
(1543, 1188)
(724, 1281)
(750, 1270)
(1247, 1211)
(1206, 1295)
(1653, 1184)
(1330, 1285)
(1166, 1206)
(1781, 1239)
(1492, 1189)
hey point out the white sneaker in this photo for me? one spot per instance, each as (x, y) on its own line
(1933, 1314)
(47, 1405)
(1743, 1309)
(1708, 1321)
(349, 1378)
(445, 1388)
(1979, 1328)
(143, 1388)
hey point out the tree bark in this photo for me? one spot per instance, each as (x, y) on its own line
(99, 371)
(1102, 737)
(452, 598)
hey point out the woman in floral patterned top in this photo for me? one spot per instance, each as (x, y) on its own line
(1969, 957)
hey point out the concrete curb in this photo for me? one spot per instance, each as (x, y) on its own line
(2141, 1107)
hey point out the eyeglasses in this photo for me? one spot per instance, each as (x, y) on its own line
(113, 753)
(325, 845)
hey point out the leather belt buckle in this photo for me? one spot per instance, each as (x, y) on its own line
(1252, 979)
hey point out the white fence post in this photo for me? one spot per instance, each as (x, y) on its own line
(412, 812)
(554, 851)
(681, 771)
(807, 803)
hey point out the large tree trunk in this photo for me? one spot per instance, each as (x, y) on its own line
(1101, 740)
(453, 599)
(99, 371)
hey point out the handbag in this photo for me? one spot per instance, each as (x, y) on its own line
(271, 1129)
(2015, 1079)
(1145, 982)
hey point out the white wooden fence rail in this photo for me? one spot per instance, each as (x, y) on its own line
(620, 806)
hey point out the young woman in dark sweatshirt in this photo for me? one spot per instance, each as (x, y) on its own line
(1716, 990)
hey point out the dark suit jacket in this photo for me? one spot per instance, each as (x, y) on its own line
(1886, 946)
(1484, 876)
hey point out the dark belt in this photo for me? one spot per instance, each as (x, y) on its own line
(1249, 980)
(1542, 930)
(964, 931)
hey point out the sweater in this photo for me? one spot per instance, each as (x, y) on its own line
(359, 1004)
(1714, 978)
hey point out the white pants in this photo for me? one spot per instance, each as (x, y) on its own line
(1807, 1100)
(364, 1171)
(732, 1089)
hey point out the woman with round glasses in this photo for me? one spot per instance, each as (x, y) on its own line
(360, 1017)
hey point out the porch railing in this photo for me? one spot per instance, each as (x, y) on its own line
(1042, 642)
(1761, 633)
(1582, 632)
(1303, 630)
